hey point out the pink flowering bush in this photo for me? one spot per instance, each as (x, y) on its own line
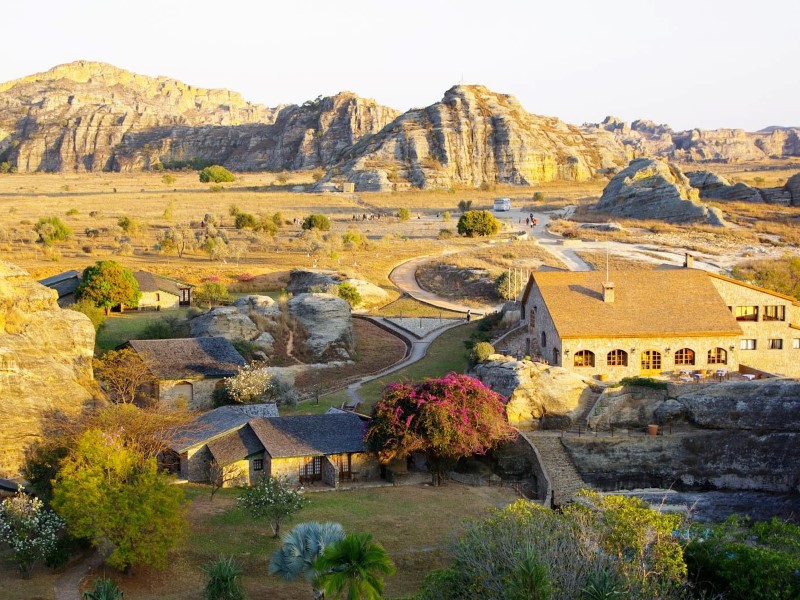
(245, 277)
(447, 419)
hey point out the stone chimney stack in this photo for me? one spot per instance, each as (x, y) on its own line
(688, 262)
(608, 291)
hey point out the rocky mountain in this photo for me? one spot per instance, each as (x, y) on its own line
(89, 116)
(475, 136)
(645, 138)
(45, 362)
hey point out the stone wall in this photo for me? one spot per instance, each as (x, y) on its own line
(171, 393)
(161, 300)
(784, 361)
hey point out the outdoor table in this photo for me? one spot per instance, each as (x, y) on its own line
(749, 376)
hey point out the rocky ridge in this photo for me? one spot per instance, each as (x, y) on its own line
(45, 362)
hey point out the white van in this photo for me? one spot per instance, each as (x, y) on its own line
(502, 204)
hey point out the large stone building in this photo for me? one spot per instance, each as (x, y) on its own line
(646, 323)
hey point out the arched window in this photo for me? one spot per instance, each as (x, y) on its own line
(617, 358)
(544, 340)
(555, 356)
(584, 358)
(184, 394)
(684, 356)
(717, 356)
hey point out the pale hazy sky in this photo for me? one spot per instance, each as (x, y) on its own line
(687, 63)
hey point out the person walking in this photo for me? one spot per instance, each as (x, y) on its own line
(469, 315)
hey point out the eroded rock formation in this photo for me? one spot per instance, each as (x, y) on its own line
(248, 319)
(793, 188)
(45, 362)
(327, 324)
(303, 281)
(713, 186)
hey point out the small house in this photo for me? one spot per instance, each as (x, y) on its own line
(186, 371)
(160, 293)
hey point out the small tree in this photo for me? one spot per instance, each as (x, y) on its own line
(447, 418)
(272, 499)
(96, 314)
(478, 222)
(29, 530)
(211, 293)
(220, 475)
(317, 221)
(51, 230)
(123, 374)
(404, 214)
(216, 174)
(300, 549)
(464, 205)
(224, 580)
(253, 383)
(107, 283)
(130, 225)
(349, 292)
(175, 239)
(354, 563)
(244, 220)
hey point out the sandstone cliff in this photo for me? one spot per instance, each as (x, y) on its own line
(89, 116)
(654, 189)
(45, 360)
(475, 136)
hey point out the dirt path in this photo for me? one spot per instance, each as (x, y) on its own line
(67, 587)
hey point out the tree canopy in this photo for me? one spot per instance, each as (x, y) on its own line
(447, 419)
(111, 494)
(478, 223)
(216, 174)
(107, 283)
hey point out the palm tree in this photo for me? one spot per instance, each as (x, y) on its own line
(354, 564)
(300, 549)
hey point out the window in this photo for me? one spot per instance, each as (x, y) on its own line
(617, 358)
(258, 464)
(717, 356)
(555, 356)
(747, 344)
(684, 356)
(311, 470)
(796, 344)
(775, 344)
(584, 358)
(746, 313)
(544, 340)
(651, 360)
(775, 313)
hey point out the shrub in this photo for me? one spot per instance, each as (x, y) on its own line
(96, 314)
(404, 214)
(72, 212)
(253, 383)
(104, 589)
(349, 292)
(445, 234)
(245, 221)
(168, 178)
(29, 529)
(211, 293)
(478, 223)
(480, 352)
(464, 205)
(273, 499)
(51, 230)
(538, 197)
(130, 225)
(446, 216)
(216, 174)
(224, 580)
(317, 221)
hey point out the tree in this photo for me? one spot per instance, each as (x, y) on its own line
(317, 221)
(107, 283)
(253, 383)
(96, 314)
(224, 580)
(300, 549)
(51, 230)
(447, 418)
(273, 499)
(508, 288)
(464, 205)
(478, 222)
(216, 174)
(244, 220)
(354, 563)
(123, 374)
(211, 293)
(29, 530)
(219, 475)
(175, 239)
(114, 496)
(349, 292)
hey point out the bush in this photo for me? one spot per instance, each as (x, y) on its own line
(168, 178)
(245, 221)
(480, 352)
(317, 221)
(130, 225)
(445, 234)
(72, 212)
(349, 292)
(51, 230)
(538, 197)
(446, 216)
(464, 205)
(478, 223)
(224, 580)
(404, 214)
(104, 589)
(96, 314)
(216, 174)
(508, 288)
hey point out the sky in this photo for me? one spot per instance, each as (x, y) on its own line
(699, 63)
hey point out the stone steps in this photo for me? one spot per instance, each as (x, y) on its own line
(581, 424)
(564, 477)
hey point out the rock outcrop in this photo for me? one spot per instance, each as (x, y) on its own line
(715, 187)
(247, 320)
(45, 362)
(654, 189)
(537, 394)
(303, 281)
(793, 188)
(327, 324)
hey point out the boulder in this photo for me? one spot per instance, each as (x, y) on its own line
(303, 281)
(793, 187)
(371, 294)
(715, 187)
(327, 323)
(534, 390)
(654, 189)
(45, 363)
(229, 322)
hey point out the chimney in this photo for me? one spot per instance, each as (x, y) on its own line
(688, 262)
(608, 291)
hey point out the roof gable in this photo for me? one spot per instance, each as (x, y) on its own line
(310, 435)
(217, 422)
(236, 445)
(182, 358)
(148, 282)
(647, 303)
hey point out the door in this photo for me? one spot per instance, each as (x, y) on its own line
(651, 363)
(312, 470)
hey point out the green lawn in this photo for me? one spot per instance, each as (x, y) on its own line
(119, 328)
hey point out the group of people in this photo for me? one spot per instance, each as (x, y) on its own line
(531, 221)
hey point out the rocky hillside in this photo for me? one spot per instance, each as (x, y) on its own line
(45, 362)
(645, 138)
(475, 136)
(89, 116)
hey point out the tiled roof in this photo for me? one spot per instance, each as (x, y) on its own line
(189, 357)
(649, 303)
(149, 282)
(217, 422)
(310, 435)
(64, 283)
(235, 445)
